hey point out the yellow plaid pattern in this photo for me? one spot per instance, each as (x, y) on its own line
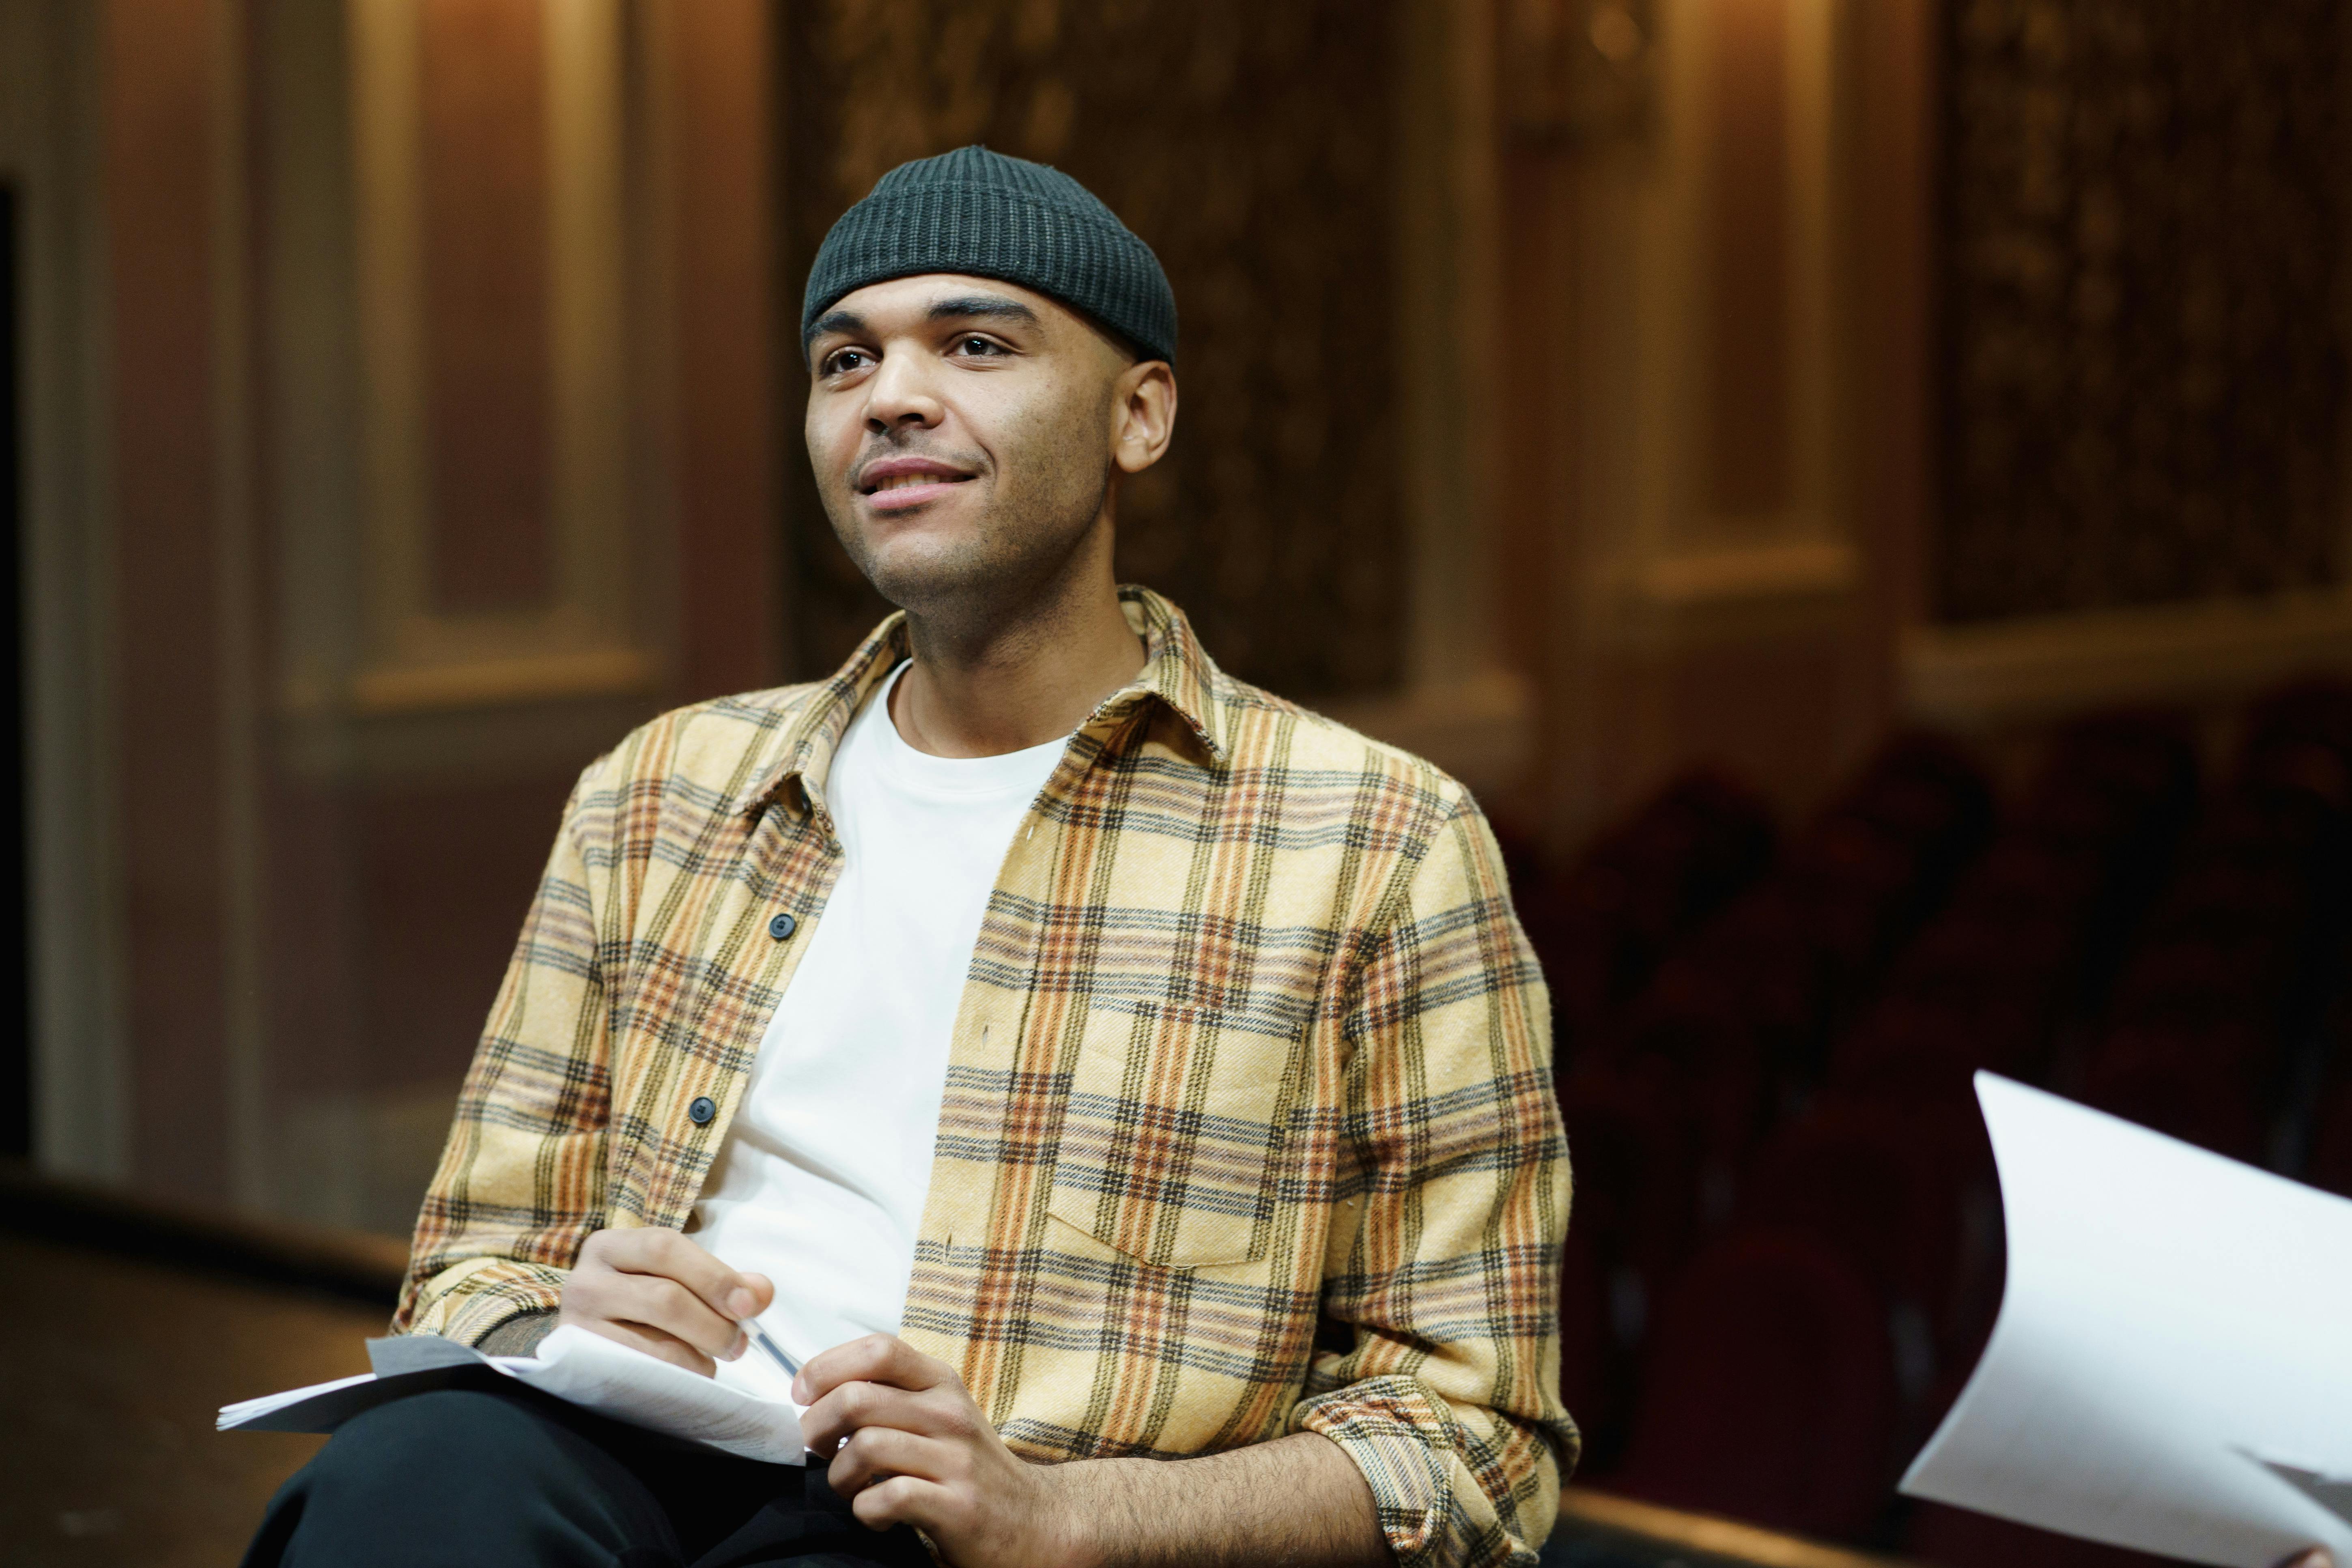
(1249, 1125)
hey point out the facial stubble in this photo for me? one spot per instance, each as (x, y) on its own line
(1050, 487)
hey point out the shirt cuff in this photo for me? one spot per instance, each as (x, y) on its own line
(468, 1300)
(1389, 1428)
(518, 1336)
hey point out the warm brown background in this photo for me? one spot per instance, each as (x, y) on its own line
(1573, 389)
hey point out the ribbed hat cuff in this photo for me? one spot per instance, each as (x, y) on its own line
(1095, 267)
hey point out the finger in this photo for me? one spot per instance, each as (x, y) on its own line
(652, 1250)
(901, 1499)
(657, 1302)
(877, 1358)
(854, 1406)
(874, 1454)
(2318, 1557)
(653, 1342)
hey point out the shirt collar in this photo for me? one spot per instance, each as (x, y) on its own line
(1177, 673)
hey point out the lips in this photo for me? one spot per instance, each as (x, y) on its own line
(896, 483)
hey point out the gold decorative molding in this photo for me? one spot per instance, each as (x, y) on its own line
(492, 682)
(1801, 568)
(1700, 598)
(2022, 670)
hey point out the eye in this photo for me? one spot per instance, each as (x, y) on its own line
(840, 362)
(974, 344)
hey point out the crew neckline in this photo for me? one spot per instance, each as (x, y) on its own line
(1026, 769)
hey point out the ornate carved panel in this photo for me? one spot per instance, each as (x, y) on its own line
(2143, 361)
(1250, 145)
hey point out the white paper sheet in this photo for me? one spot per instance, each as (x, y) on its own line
(573, 1364)
(2172, 1323)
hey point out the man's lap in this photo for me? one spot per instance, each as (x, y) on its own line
(469, 1476)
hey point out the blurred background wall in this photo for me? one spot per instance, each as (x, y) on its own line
(404, 401)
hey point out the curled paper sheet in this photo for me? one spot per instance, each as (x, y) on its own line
(587, 1370)
(2172, 1323)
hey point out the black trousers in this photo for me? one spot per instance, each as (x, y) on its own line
(467, 1477)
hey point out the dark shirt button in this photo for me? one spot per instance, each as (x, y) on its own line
(782, 926)
(703, 1109)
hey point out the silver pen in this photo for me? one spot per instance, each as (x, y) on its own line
(768, 1347)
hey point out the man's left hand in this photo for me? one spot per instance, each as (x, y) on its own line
(910, 1447)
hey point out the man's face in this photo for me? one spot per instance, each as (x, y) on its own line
(964, 434)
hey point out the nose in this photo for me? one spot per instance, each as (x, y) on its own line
(899, 394)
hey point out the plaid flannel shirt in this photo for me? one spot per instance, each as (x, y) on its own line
(1248, 1126)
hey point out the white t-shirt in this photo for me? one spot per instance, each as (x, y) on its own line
(821, 1183)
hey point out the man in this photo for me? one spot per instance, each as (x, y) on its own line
(1086, 1059)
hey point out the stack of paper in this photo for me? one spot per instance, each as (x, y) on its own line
(2172, 1367)
(586, 1369)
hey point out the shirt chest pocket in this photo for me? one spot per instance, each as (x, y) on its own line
(1173, 1134)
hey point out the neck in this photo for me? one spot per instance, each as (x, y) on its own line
(1018, 675)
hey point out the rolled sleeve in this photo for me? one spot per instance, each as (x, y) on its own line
(1448, 1397)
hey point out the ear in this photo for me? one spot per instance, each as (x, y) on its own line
(1143, 411)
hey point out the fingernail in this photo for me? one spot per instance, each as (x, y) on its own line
(734, 1351)
(800, 1389)
(743, 1303)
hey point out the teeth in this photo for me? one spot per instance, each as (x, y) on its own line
(899, 482)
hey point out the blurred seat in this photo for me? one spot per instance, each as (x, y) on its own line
(2225, 974)
(2329, 1165)
(1987, 983)
(2303, 729)
(1884, 1183)
(2200, 1084)
(1769, 1393)
(1601, 927)
(1632, 1146)
(1587, 1372)
(1697, 1027)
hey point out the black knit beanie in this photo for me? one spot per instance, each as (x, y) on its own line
(981, 212)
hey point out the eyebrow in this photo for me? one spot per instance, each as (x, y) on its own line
(965, 307)
(835, 321)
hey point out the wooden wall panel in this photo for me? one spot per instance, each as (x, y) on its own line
(158, 152)
(1685, 590)
(482, 118)
(719, 156)
(430, 349)
(443, 873)
(1746, 321)
(499, 563)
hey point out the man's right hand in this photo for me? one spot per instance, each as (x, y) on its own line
(657, 1291)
